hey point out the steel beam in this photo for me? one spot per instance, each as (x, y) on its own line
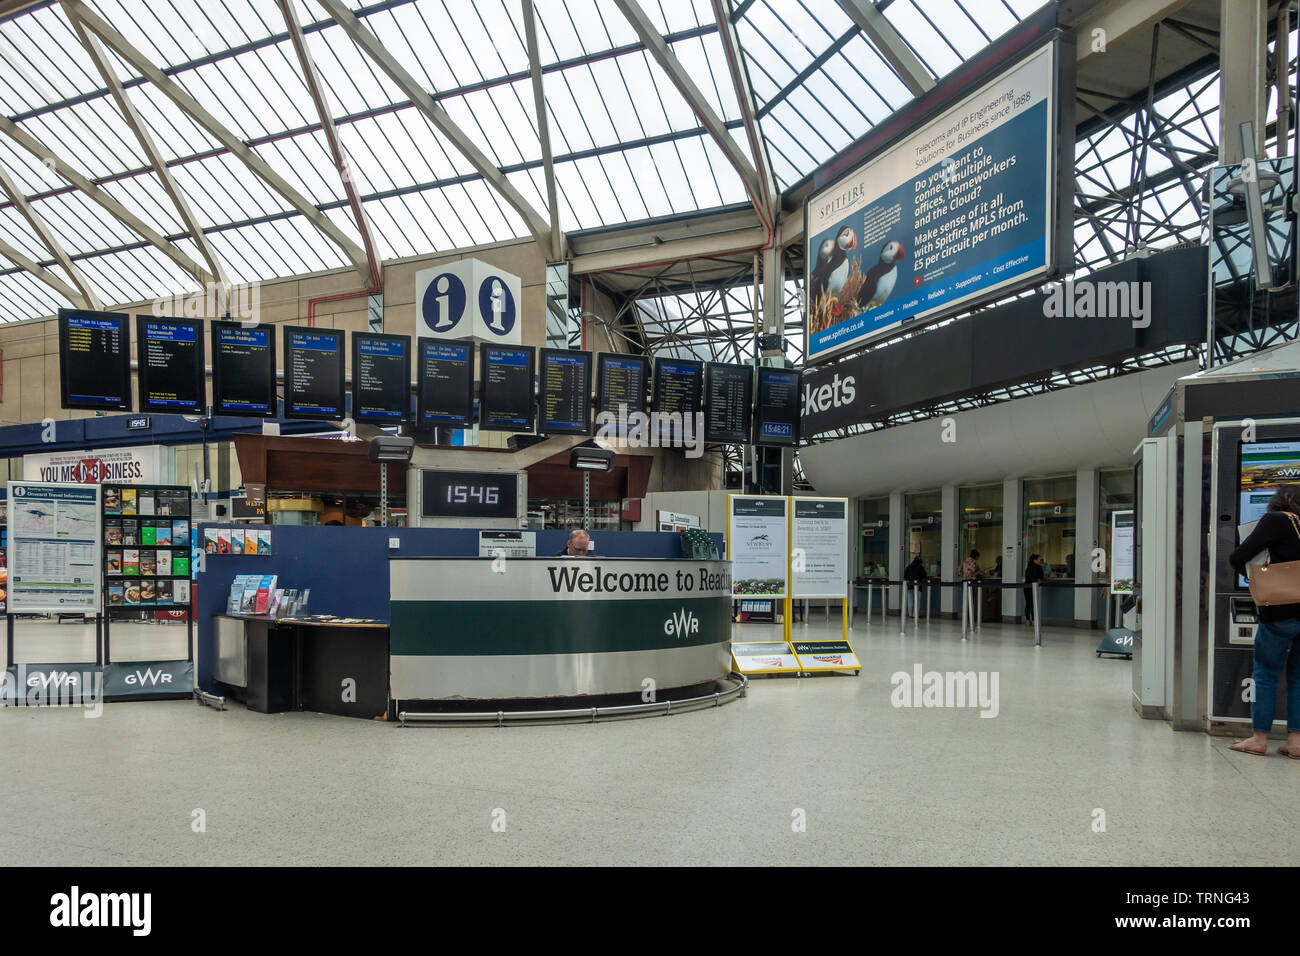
(42, 273)
(84, 296)
(145, 139)
(745, 98)
(114, 208)
(1117, 20)
(543, 128)
(218, 131)
(657, 46)
(424, 101)
(882, 34)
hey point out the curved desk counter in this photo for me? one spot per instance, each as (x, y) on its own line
(482, 629)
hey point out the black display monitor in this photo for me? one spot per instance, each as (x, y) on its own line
(776, 416)
(444, 383)
(564, 390)
(505, 395)
(313, 373)
(170, 356)
(381, 378)
(675, 397)
(467, 494)
(728, 402)
(243, 369)
(94, 360)
(620, 388)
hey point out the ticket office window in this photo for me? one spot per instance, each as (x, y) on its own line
(980, 513)
(1115, 492)
(873, 532)
(923, 514)
(1049, 521)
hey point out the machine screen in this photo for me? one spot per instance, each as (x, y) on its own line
(1265, 466)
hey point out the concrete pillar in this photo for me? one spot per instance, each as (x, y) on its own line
(1086, 510)
(1013, 561)
(1242, 94)
(949, 532)
(897, 546)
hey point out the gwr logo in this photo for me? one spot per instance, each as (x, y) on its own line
(53, 678)
(681, 623)
(150, 677)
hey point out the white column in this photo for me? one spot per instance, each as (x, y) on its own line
(949, 532)
(1013, 562)
(1086, 511)
(897, 545)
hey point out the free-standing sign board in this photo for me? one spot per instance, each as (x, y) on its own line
(1121, 552)
(757, 529)
(819, 543)
(54, 548)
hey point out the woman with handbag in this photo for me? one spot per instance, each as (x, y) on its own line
(1275, 588)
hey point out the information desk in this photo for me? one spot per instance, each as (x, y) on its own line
(487, 629)
(318, 663)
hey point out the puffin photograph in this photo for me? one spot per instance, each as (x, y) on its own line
(878, 283)
(833, 264)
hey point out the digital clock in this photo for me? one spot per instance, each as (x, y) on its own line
(468, 494)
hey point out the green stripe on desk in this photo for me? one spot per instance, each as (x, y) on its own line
(464, 628)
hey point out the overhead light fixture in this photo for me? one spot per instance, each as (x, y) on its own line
(391, 448)
(591, 459)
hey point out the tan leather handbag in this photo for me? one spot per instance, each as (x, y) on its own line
(1272, 584)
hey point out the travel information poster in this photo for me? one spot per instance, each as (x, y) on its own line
(819, 542)
(54, 554)
(955, 211)
(756, 545)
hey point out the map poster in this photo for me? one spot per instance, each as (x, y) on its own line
(54, 547)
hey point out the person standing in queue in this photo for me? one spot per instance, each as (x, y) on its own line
(1277, 639)
(914, 577)
(579, 542)
(970, 568)
(1033, 573)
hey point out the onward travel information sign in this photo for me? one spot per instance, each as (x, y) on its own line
(957, 210)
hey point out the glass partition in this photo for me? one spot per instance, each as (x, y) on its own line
(873, 529)
(980, 510)
(1049, 514)
(923, 514)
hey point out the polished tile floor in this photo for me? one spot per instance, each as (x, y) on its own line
(869, 782)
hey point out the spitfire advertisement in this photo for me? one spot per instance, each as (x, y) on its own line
(957, 210)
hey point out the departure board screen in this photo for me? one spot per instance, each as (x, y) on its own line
(381, 378)
(243, 369)
(94, 360)
(620, 388)
(505, 396)
(169, 354)
(445, 385)
(676, 395)
(313, 372)
(564, 389)
(776, 420)
(728, 402)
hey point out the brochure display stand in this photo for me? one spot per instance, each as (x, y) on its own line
(147, 584)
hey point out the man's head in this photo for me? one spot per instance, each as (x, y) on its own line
(579, 541)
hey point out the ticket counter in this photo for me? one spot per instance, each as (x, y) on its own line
(532, 628)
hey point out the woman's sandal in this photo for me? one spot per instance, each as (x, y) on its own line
(1240, 747)
(1287, 753)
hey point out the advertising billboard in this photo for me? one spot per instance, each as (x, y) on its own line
(959, 210)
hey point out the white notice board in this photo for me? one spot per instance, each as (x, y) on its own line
(819, 547)
(54, 547)
(758, 545)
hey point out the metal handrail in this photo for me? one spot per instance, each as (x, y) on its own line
(589, 714)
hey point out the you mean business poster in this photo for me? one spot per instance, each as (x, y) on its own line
(953, 212)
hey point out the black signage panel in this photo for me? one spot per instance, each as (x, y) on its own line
(776, 420)
(564, 386)
(466, 494)
(170, 355)
(676, 394)
(94, 360)
(506, 387)
(728, 402)
(620, 387)
(381, 378)
(243, 369)
(313, 372)
(445, 383)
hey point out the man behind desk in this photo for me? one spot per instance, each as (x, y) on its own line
(579, 541)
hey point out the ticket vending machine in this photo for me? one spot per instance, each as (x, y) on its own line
(1250, 461)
